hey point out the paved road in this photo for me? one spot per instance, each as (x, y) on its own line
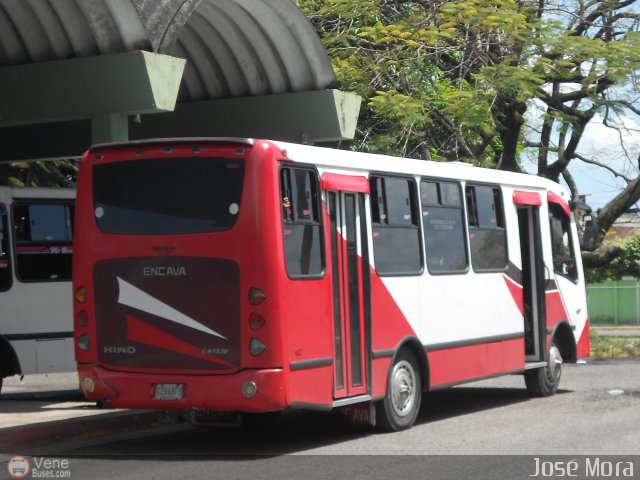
(595, 413)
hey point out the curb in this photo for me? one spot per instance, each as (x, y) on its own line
(626, 333)
(614, 352)
(17, 439)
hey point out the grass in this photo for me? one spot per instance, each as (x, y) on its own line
(618, 347)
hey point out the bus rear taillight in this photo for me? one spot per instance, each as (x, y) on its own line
(256, 322)
(256, 347)
(256, 296)
(84, 343)
(81, 294)
(82, 319)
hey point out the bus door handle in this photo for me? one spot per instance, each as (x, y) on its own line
(547, 276)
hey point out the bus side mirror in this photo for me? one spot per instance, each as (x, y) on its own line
(588, 225)
(590, 233)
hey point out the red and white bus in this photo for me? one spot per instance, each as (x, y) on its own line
(231, 275)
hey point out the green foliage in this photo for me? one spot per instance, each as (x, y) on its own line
(453, 79)
(613, 346)
(42, 173)
(388, 52)
(625, 265)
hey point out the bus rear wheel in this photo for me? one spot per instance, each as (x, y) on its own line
(400, 406)
(543, 382)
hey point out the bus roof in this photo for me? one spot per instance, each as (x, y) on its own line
(162, 141)
(363, 163)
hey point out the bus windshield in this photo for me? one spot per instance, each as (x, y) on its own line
(167, 195)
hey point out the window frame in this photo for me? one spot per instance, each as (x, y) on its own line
(70, 204)
(463, 221)
(415, 212)
(317, 217)
(500, 220)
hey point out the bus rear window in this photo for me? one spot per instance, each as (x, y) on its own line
(168, 195)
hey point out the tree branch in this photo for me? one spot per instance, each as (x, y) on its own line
(603, 165)
(608, 214)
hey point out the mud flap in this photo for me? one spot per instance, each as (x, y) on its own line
(360, 414)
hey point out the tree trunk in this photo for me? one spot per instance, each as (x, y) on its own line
(508, 114)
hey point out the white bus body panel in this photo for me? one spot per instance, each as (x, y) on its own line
(461, 299)
(38, 309)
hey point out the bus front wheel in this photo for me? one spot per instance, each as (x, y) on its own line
(543, 382)
(400, 406)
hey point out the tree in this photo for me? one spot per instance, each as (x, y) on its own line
(53, 173)
(489, 81)
(626, 264)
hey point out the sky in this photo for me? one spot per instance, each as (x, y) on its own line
(602, 144)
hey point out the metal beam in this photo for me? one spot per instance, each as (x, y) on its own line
(309, 117)
(105, 88)
(313, 117)
(45, 141)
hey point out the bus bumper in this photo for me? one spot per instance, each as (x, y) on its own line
(200, 392)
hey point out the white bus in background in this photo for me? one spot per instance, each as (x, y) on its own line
(36, 234)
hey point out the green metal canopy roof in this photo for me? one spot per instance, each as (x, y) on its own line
(233, 48)
(76, 72)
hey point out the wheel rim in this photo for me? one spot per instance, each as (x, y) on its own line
(403, 388)
(554, 369)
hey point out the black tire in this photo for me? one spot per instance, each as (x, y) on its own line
(543, 382)
(400, 407)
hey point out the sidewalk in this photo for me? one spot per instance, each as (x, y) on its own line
(44, 409)
(617, 331)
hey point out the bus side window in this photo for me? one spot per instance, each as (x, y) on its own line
(43, 239)
(5, 256)
(487, 233)
(443, 221)
(301, 222)
(564, 256)
(396, 232)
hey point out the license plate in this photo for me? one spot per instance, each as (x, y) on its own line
(169, 391)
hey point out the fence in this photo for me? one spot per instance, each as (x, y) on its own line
(614, 302)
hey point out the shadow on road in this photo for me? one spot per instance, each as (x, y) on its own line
(74, 395)
(457, 401)
(295, 431)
